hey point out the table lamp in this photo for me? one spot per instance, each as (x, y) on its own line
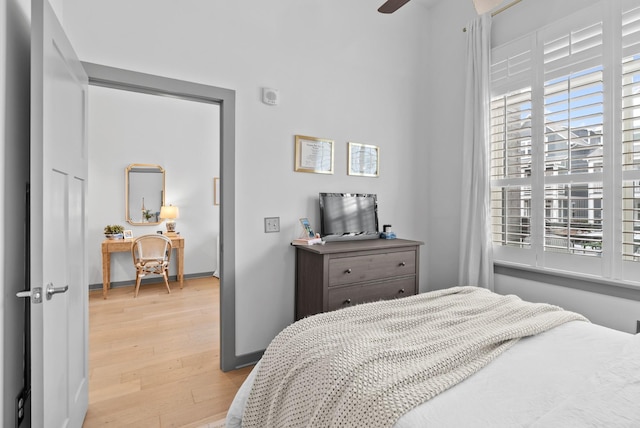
(170, 213)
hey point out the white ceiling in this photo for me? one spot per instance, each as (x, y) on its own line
(484, 5)
(427, 3)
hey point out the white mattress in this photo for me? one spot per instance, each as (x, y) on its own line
(522, 385)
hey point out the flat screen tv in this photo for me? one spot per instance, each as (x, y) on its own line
(348, 216)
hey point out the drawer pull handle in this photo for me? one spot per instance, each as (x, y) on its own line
(402, 264)
(347, 302)
(401, 291)
(348, 271)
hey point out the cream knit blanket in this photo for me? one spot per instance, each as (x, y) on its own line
(367, 365)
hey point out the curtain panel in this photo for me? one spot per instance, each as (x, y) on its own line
(476, 254)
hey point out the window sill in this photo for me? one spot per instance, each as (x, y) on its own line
(623, 289)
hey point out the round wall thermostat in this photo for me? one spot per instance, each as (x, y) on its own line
(270, 96)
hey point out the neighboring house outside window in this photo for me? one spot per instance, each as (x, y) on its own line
(565, 144)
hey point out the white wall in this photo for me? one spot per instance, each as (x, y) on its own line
(446, 93)
(529, 16)
(445, 117)
(611, 311)
(14, 174)
(344, 72)
(183, 137)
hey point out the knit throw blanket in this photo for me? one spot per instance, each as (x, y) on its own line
(367, 365)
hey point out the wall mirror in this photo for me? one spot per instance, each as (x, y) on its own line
(144, 193)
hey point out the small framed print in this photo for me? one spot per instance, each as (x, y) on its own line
(127, 234)
(216, 191)
(307, 228)
(364, 160)
(313, 155)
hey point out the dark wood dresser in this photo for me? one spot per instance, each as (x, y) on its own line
(340, 274)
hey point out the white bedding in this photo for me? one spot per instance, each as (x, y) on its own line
(543, 380)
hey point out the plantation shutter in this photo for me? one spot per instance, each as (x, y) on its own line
(573, 134)
(511, 143)
(630, 130)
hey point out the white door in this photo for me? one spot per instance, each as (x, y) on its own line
(59, 324)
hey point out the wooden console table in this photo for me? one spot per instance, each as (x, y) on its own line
(124, 245)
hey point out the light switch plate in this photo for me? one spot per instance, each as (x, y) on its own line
(271, 224)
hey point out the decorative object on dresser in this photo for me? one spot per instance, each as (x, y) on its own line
(387, 233)
(308, 241)
(341, 274)
(308, 236)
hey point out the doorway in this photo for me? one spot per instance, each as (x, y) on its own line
(169, 148)
(111, 77)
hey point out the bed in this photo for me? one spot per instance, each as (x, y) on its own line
(546, 368)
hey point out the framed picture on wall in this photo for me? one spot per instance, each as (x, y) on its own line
(364, 160)
(313, 155)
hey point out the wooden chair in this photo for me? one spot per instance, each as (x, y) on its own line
(151, 255)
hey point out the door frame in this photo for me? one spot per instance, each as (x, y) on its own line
(116, 78)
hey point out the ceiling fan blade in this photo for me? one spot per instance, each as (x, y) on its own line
(391, 6)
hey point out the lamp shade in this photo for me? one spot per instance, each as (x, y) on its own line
(169, 212)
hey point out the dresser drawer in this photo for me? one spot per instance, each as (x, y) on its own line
(342, 297)
(349, 270)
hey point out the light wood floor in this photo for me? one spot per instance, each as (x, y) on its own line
(154, 360)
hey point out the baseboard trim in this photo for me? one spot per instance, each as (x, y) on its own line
(248, 359)
(131, 282)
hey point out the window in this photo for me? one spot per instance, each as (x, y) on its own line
(565, 144)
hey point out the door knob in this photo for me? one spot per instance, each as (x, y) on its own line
(51, 290)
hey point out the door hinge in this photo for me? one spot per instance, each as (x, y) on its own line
(21, 400)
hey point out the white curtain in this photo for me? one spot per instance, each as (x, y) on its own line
(476, 255)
